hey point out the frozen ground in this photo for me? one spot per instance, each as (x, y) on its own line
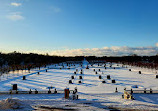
(93, 94)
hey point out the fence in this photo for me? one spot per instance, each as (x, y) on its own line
(142, 91)
(34, 92)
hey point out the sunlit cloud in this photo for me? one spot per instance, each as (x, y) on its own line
(156, 44)
(108, 51)
(15, 16)
(16, 4)
(105, 51)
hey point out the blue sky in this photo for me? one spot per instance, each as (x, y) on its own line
(70, 27)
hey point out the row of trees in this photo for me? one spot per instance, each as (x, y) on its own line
(133, 60)
(20, 61)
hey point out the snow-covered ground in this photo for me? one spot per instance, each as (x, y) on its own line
(91, 91)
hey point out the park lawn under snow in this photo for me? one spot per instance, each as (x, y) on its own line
(91, 88)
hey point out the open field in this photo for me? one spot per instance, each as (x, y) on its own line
(91, 90)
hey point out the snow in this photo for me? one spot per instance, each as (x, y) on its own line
(10, 103)
(91, 90)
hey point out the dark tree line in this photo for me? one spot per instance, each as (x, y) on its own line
(19, 61)
(133, 60)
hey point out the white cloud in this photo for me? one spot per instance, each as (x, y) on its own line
(156, 44)
(108, 51)
(16, 4)
(15, 16)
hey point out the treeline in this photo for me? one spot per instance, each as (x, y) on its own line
(19, 61)
(16, 58)
(133, 60)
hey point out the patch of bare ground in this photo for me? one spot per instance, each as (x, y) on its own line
(50, 108)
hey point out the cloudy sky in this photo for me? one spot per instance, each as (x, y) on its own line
(79, 27)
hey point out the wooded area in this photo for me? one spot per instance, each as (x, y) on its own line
(21, 61)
